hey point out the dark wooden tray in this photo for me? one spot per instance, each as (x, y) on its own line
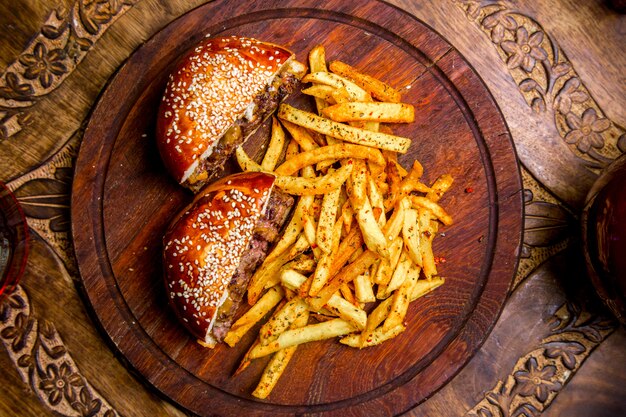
(122, 200)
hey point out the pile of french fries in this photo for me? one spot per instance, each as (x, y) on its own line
(361, 234)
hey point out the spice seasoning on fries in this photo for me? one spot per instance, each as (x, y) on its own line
(361, 232)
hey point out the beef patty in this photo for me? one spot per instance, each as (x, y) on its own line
(266, 233)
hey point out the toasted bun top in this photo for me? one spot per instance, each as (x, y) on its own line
(210, 88)
(204, 244)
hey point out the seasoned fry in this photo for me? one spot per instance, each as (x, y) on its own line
(428, 259)
(374, 338)
(323, 93)
(375, 87)
(275, 147)
(397, 278)
(400, 300)
(310, 333)
(301, 135)
(433, 207)
(347, 247)
(347, 274)
(370, 112)
(316, 185)
(355, 92)
(266, 303)
(323, 270)
(372, 234)
(276, 366)
(328, 216)
(331, 152)
(268, 274)
(412, 236)
(317, 63)
(423, 287)
(245, 162)
(348, 311)
(363, 289)
(387, 266)
(342, 131)
(281, 320)
(439, 187)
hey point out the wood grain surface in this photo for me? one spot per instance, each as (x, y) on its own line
(459, 130)
(550, 327)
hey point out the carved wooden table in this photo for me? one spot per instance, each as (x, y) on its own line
(556, 70)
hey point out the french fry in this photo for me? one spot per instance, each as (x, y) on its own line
(372, 234)
(310, 232)
(309, 333)
(316, 185)
(370, 112)
(301, 135)
(387, 266)
(347, 247)
(268, 274)
(245, 162)
(377, 201)
(328, 216)
(331, 152)
(374, 338)
(348, 311)
(281, 320)
(393, 227)
(324, 93)
(347, 274)
(275, 147)
(323, 270)
(363, 289)
(428, 259)
(355, 92)
(401, 299)
(397, 278)
(412, 236)
(303, 264)
(342, 131)
(317, 63)
(276, 366)
(412, 182)
(439, 187)
(378, 89)
(434, 208)
(292, 149)
(423, 287)
(266, 303)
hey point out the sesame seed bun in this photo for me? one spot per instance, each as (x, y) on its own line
(203, 246)
(213, 87)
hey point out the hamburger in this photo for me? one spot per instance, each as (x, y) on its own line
(216, 97)
(213, 247)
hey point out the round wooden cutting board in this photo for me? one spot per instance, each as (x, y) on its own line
(122, 201)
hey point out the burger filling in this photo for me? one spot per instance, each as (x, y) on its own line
(263, 106)
(266, 233)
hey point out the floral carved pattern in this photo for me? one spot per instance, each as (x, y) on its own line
(548, 226)
(44, 363)
(51, 56)
(539, 375)
(548, 81)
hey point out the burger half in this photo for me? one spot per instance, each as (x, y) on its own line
(216, 97)
(214, 246)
